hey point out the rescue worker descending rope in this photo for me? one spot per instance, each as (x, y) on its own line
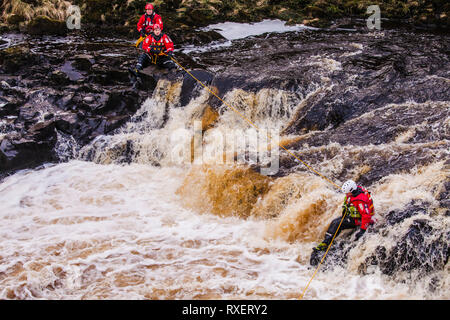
(358, 211)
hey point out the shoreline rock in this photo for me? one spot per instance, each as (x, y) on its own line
(123, 16)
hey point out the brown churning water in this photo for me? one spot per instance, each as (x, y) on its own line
(137, 216)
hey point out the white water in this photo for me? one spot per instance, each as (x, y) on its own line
(84, 230)
(92, 230)
(235, 30)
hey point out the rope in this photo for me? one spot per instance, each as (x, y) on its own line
(308, 166)
(323, 258)
(139, 41)
(251, 123)
(246, 119)
(281, 146)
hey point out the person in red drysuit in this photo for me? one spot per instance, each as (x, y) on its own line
(358, 211)
(148, 21)
(158, 49)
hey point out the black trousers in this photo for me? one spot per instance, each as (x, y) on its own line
(348, 223)
(162, 61)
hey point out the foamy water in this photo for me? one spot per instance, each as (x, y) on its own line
(156, 229)
(235, 30)
(82, 230)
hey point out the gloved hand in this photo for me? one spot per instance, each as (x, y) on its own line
(170, 53)
(148, 29)
(359, 234)
(344, 209)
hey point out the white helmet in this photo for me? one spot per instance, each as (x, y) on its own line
(349, 186)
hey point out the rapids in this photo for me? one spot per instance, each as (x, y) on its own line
(81, 230)
(162, 207)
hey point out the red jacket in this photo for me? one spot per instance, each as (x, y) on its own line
(146, 22)
(364, 204)
(160, 44)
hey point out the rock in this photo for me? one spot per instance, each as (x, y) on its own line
(42, 25)
(414, 208)
(72, 73)
(15, 58)
(415, 250)
(12, 99)
(121, 102)
(30, 150)
(83, 62)
(15, 19)
(191, 88)
(88, 99)
(182, 36)
(111, 77)
(59, 78)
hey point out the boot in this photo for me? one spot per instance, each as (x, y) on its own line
(325, 243)
(134, 72)
(323, 246)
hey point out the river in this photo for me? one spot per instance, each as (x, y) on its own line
(135, 214)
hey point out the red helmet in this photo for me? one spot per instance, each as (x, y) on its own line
(148, 6)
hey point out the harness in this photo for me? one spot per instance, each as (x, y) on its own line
(147, 22)
(157, 48)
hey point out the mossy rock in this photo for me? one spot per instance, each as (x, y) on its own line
(14, 58)
(15, 19)
(315, 12)
(44, 25)
(200, 17)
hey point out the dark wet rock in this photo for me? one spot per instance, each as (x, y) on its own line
(59, 78)
(380, 162)
(15, 58)
(83, 62)
(191, 89)
(422, 247)
(412, 209)
(121, 102)
(82, 95)
(15, 19)
(10, 100)
(337, 254)
(41, 25)
(197, 38)
(444, 197)
(111, 77)
(383, 125)
(72, 73)
(30, 150)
